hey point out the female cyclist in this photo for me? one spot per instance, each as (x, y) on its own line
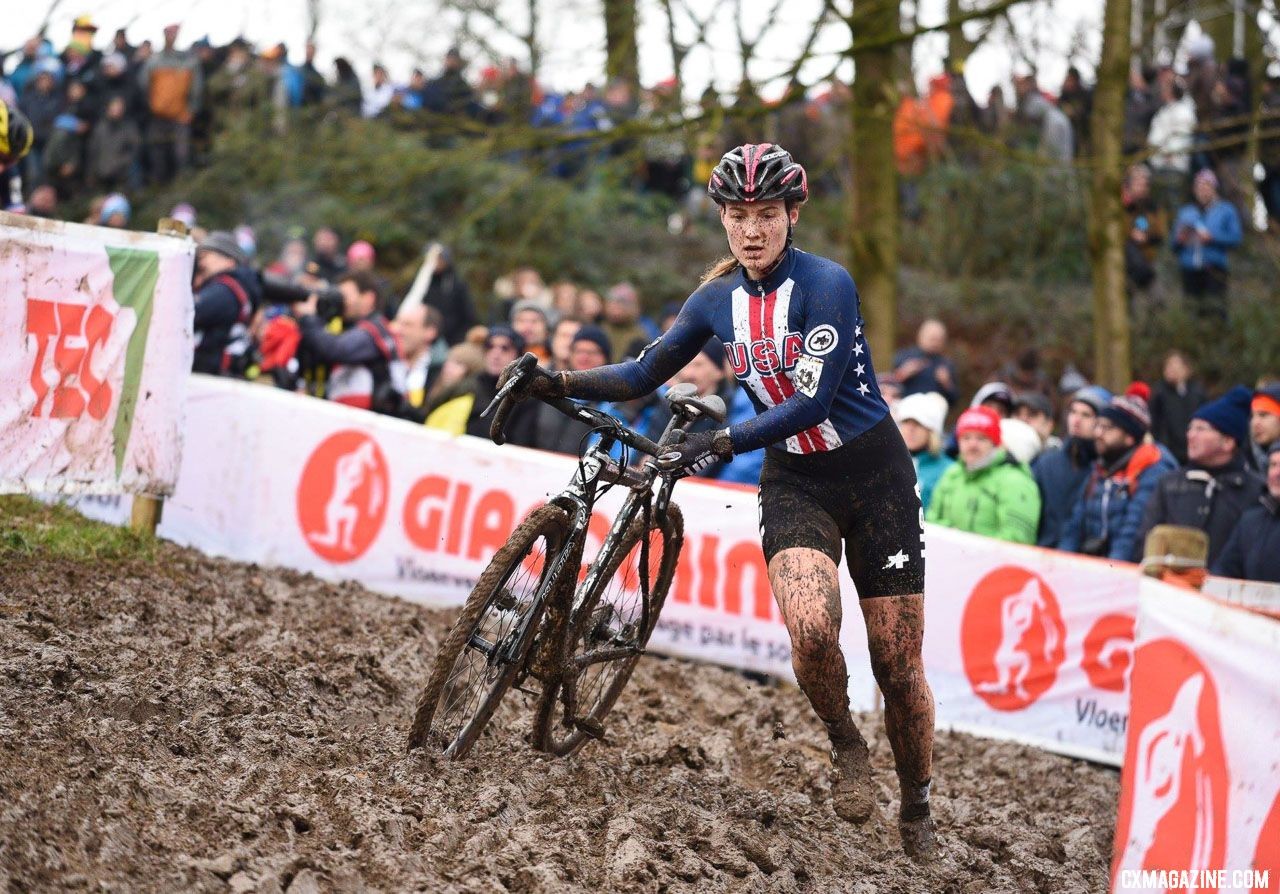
(836, 471)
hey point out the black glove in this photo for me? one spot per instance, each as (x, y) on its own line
(697, 451)
(539, 384)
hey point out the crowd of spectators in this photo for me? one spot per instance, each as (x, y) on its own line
(1123, 465)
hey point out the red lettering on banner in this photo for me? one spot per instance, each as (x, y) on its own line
(708, 570)
(457, 518)
(494, 520)
(424, 512)
(746, 557)
(75, 389)
(682, 587)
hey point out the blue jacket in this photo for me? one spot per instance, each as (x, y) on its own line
(1060, 474)
(1225, 233)
(1253, 549)
(1107, 516)
(929, 468)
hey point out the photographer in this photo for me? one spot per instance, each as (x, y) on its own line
(227, 292)
(366, 369)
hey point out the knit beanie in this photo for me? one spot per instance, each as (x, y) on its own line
(983, 420)
(1267, 400)
(1130, 414)
(930, 410)
(1229, 414)
(595, 335)
(997, 391)
(506, 332)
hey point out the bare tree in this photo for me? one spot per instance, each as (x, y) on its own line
(622, 54)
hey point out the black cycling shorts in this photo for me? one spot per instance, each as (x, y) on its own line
(862, 496)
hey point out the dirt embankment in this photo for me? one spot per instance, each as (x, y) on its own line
(192, 724)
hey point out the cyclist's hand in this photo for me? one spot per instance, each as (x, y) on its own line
(696, 452)
(539, 384)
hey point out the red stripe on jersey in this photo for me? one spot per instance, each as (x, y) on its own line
(778, 385)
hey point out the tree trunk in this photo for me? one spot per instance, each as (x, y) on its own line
(1107, 218)
(958, 46)
(623, 58)
(874, 230)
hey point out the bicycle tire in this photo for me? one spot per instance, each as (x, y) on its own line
(549, 732)
(548, 523)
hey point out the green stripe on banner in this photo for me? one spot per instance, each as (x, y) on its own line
(136, 272)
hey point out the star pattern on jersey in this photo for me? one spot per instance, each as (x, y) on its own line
(863, 389)
(860, 369)
(857, 349)
(857, 332)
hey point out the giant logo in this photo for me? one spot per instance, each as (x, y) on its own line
(1012, 638)
(1173, 797)
(1108, 651)
(342, 496)
(70, 373)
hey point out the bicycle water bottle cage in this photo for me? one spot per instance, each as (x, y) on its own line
(685, 396)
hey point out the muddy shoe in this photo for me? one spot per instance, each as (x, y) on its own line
(916, 828)
(851, 792)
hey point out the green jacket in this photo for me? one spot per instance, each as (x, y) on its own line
(1000, 500)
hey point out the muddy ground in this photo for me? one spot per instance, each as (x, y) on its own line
(192, 724)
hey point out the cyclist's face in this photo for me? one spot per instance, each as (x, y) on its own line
(757, 231)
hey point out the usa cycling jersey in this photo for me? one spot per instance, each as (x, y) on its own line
(795, 342)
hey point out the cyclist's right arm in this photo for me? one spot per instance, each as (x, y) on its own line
(659, 361)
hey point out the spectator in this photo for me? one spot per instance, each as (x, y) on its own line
(379, 95)
(1252, 552)
(113, 148)
(920, 418)
(1203, 233)
(1076, 102)
(1026, 376)
(987, 492)
(1140, 106)
(562, 335)
(313, 83)
(418, 330)
(1216, 487)
(226, 293)
(996, 396)
(1147, 226)
(622, 322)
(42, 102)
(555, 431)
(64, 154)
(1107, 516)
(1170, 138)
(502, 345)
(529, 319)
(326, 251)
(1060, 472)
(449, 400)
(43, 202)
(1055, 141)
(346, 95)
(1269, 147)
(174, 86)
(1035, 410)
(590, 306)
(1264, 424)
(361, 357)
(448, 293)
(1175, 399)
(925, 368)
(450, 95)
(361, 258)
(115, 212)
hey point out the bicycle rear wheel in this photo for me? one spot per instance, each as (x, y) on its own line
(470, 674)
(609, 617)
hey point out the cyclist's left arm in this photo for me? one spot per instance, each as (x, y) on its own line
(833, 307)
(658, 362)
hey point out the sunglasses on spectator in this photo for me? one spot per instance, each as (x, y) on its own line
(504, 346)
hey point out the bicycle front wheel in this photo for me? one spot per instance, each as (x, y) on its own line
(480, 657)
(608, 618)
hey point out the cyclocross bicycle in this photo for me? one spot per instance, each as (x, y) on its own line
(539, 622)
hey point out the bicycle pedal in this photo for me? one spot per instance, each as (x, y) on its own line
(593, 728)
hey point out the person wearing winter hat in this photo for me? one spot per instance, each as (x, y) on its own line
(1203, 233)
(1252, 552)
(115, 212)
(226, 293)
(988, 492)
(1036, 410)
(996, 395)
(590, 349)
(920, 418)
(1264, 424)
(1175, 398)
(469, 396)
(1107, 516)
(1216, 487)
(1020, 440)
(529, 318)
(1060, 472)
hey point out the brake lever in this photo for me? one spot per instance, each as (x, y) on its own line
(501, 395)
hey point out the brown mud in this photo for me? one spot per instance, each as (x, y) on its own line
(194, 724)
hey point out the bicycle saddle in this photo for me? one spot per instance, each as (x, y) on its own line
(686, 395)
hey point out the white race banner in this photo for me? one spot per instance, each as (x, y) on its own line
(1020, 643)
(95, 351)
(1200, 793)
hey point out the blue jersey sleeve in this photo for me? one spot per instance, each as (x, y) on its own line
(831, 312)
(662, 359)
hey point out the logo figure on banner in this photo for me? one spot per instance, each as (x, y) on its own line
(1108, 652)
(1012, 638)
(342, 496)
(1173, 799)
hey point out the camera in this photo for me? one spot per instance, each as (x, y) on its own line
(277, 290)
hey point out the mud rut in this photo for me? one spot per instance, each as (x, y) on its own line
(201, 725)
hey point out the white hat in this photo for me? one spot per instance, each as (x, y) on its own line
(930, 410)
(1020, 440)
(1200, 47)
